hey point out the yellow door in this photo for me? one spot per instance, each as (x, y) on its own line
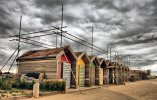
(81, 72)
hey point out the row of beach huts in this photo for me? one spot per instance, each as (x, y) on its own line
(77, 68)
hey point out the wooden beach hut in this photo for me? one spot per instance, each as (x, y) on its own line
(56, 63)
(123, 73)
(94, 70)
(107, 63)
(127, 73)
(111, 67)
(82, 68)
(103, 71)
(120, 74)
(116, 73)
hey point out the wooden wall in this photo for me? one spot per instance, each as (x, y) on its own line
(41, 66)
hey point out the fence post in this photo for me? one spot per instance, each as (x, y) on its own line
(65, 86)
(36, 90)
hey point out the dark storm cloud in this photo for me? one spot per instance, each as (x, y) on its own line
(137, 40)
(56, 3)
(125, 7)
(52, 11)
(4, 23)
(110, 5)
(146, 62)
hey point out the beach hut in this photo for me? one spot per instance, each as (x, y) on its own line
(103, 71)
(107, 63)
(111, 67)
(120, 74)
(94, 70)
(56, 63)
(116, 78)
(123, 73)
(82, 68)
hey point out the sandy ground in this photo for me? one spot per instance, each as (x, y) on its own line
(140, 90)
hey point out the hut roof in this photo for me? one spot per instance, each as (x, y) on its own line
(82, 55)
(78, 53)
(112, 65)
(107, 62)
(100, 60)
(92, 58)
(43, 53)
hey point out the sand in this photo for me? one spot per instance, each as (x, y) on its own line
(140, 90)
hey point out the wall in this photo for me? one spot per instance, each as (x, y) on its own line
(47, 66)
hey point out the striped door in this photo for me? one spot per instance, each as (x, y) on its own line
(101, 76)
(92, 75)
(67, 73)
(81, 75)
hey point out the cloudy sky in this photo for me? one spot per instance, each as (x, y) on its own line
(128, 26)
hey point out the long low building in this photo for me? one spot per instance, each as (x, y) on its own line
(77, 68)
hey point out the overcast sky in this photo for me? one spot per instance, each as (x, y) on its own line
(128, 26)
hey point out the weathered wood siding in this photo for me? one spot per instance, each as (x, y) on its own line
(41, 66)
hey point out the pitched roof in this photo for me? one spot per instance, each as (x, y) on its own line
(41, 53)
(78, 53)
(91, 57)
(100, 59)
(82, 55)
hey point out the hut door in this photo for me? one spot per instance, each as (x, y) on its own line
(97, 80)
(81, 75)
(67, 73)
(93, 75)
(110, 76)
(101, 75)
(104, 75)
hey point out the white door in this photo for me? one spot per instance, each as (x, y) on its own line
(67, 73)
